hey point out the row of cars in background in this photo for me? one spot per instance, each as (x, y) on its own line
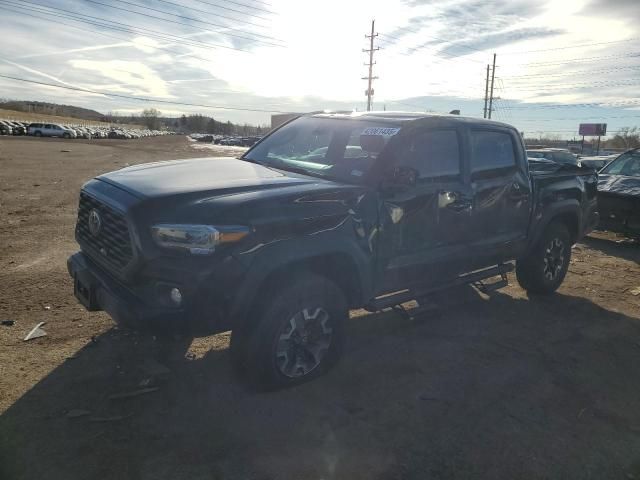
(230, 140)
(618, 184)
(560, 155)
(8, 127)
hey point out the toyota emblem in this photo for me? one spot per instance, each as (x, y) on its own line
(95, 223)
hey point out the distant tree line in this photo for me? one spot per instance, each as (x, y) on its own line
(44, 108)
(196, 123)
(626, 137)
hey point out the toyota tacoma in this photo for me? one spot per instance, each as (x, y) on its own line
(329, 212)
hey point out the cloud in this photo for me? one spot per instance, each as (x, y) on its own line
(37, 72)
(472, 16)
(461, 27)
(134, 77)
(493, 40)
(619, 9)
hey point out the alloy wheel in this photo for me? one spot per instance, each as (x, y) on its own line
(303, 342)
(554, 259)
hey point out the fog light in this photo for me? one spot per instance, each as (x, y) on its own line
(176, 296)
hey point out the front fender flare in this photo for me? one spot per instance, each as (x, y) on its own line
(296, 251)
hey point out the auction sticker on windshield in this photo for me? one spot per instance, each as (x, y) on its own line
(383, 131)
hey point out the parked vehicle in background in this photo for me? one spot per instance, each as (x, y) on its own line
(557, 155)
(5, 128)
(619, 194)
(51, 130)
(596, 163)
(18, 128)
(326, 213)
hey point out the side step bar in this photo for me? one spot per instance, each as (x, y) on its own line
(389, 301)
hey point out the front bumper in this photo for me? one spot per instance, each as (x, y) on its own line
(97, 290)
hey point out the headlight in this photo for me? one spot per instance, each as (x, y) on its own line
(197, 239)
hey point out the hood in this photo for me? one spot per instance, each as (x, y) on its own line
(198, 175)
(619, 185)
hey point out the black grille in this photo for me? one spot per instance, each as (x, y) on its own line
(111, 246)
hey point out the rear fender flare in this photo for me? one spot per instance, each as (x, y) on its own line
(564, 209)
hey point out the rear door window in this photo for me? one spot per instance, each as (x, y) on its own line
(492, 153)
(434, 154)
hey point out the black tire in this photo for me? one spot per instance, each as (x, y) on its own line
(297, 336)
(38, 134)
(66, 136)
(543, 270)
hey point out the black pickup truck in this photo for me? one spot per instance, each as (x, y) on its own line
(330, 212)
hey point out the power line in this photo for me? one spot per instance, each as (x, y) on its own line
(168, 13)
(142, 99)
(580, 105)
(95, 18)
(190, 19)
(606, 117)
(537, 86)
(266, 4)
(586, 59)
(215, 6)
(237, 3)
(570, 46)
(570, 74)
(128, 40)
(118, 26)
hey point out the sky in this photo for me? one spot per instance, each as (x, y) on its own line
(558, 63)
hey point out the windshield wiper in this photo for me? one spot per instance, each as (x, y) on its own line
(289, 168)
(284, 166)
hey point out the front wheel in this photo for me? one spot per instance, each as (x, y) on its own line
(66, 136)
(298, 335)
(544, 268)
(38, 134)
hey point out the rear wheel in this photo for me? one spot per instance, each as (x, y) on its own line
(297, 336)
(544, 268)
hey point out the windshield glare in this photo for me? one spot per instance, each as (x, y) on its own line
(627, 164)
(339, 149)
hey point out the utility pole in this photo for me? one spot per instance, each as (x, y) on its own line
(370, 50)
(493, 77)
(486, 92)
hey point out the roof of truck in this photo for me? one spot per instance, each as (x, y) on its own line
(404, 117)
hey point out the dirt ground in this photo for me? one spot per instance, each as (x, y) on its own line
(500, 387)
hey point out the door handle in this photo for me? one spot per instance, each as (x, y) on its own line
(516, 192)
(454, 201)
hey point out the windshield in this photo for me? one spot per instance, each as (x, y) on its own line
(339, 149)
(627, 164)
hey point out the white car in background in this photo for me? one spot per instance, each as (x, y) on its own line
(51, 130)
